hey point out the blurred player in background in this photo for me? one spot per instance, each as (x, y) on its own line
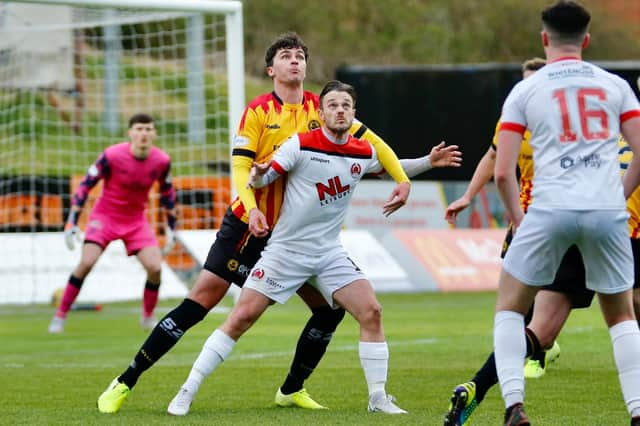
(266, 123)
(129, 170)
(575, 111)
(322, 169)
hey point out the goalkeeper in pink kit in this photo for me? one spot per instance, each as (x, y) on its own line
(129, 170)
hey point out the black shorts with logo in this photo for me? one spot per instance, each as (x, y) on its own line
(235, 251)
(570, 278)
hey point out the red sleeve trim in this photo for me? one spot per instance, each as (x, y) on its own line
(514, 127)
(629, 114)
(278, 168)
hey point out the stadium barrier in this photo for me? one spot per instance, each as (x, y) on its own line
(39, 263)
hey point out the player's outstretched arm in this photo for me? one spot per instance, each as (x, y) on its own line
(440, 156)
(481, 175)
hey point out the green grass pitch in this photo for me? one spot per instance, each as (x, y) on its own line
(435, 340)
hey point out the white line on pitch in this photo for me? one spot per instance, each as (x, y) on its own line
(240, 357)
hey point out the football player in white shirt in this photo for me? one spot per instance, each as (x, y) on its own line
(323, 168)
(575, 112)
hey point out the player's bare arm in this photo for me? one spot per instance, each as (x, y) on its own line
(481, 175)
(505, 174)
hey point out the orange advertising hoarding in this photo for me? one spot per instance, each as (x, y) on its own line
(457, 259)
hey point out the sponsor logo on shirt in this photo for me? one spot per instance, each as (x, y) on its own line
(332, 191)
(313, 124)
(273, 126)
(593, 161)
(584, 71)
(320, 160)
(566, 162)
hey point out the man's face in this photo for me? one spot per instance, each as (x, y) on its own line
(289, 66)
(337, 111)
(141, 136)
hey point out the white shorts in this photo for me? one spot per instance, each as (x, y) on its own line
(545, 235)
(280, 273)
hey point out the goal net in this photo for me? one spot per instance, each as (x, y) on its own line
(71, 74)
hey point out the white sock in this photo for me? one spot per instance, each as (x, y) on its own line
(510, 349)
(215, 350)
(625, 338)
(374, 358)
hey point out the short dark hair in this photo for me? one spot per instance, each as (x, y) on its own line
(288, 40)
(140, 117)
(337, 86)
(533, 64)
(566, 21)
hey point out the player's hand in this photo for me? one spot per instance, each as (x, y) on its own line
(169, 240)
(71, 235)
(397, 199)
(257, 171)
(258, 223)
(451, 213)
(445, 156)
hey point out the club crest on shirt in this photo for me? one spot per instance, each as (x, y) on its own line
(258, 274)
(356, 170)
(313, 124)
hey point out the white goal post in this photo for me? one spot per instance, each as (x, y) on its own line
(71, 74)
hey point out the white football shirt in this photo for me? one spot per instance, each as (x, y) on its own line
(321, 178)
(573, 110)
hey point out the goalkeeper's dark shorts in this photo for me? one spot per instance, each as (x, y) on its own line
(570, 278)
(235, 251)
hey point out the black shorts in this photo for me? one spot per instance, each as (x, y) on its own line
(235, 251)
(635, 247)
(570, 278)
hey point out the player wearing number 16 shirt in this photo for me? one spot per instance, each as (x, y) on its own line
(575, 112)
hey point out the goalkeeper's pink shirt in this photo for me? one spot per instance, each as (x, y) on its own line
(128, 181)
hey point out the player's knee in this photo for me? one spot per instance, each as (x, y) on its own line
(371, 315)
(154, 269)
(208, 290)
(243, 317)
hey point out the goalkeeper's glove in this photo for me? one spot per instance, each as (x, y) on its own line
(169, 234)
(71, 231)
